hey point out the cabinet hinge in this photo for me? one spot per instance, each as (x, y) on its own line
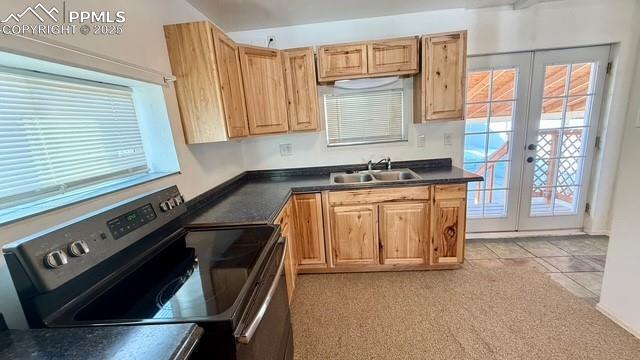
(587, 208)
(609, 67)
(597, 143)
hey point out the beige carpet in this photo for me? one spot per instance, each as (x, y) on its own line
(473, 313)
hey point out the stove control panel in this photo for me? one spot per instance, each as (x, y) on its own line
(57, 255)
(131, 221)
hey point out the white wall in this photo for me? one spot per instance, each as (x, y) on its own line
(142, 43)
(620, 296)
(493, 30)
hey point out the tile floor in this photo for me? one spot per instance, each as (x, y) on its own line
(575, 262)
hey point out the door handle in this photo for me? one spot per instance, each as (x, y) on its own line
(248, 332)
(531, 147)
(530, 159)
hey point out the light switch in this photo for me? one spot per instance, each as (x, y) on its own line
(422, 141)
(286, 149)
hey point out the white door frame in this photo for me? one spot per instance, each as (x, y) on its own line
(599, 55)
(523, 63)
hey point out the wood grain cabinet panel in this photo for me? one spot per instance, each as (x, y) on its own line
(354, 239)
(404, 233)
(310, 243)
(193, 62)
(231, 85)
(342, 61)
(448, 221)
(439, 89)
(263, 80)
(285, 220)
(302, 92)
(397, 56)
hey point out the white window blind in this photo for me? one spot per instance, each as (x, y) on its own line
(365, 117)
(59, 134)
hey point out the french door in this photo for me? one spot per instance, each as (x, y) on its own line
(530, 130)
(496, 113)
(566, 95)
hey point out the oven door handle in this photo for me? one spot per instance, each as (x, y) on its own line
(250, 330)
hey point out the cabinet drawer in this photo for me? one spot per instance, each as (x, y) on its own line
(370, 196)
(454, 191)
(341, 61)
(393, 56)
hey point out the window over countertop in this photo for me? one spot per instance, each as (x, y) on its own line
(66, 139)
(366, 111)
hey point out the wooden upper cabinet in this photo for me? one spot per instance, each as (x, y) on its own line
(447, 243)
(354, 238)
(302, 92)
(439, 89)
(342, 62)
(396, 56)
(263, 80)
(309, 236)
(193, 62)
(231, 84)
(404, 232)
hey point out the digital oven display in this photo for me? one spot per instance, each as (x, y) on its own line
(124, 224)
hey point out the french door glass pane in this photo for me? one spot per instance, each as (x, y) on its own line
(563, 125)
(490, 106)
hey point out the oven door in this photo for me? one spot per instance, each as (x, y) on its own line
(265, 331)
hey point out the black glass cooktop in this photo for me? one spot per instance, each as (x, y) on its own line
(199, 276)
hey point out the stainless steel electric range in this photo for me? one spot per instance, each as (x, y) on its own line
(134, 263)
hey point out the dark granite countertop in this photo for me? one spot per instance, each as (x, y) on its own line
(256, 197)
(156, 342)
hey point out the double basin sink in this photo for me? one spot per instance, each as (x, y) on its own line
(367, 176)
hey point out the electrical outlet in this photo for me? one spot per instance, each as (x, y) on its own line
(422, 141)
(447, 139)
(271, 41)
(286, 149)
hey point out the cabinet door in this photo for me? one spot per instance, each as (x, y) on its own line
(398, 56)
(191, 53)
(449, 216)
(231, 85)
(285, 220)
(263, 81)
(309, 230)
(445, 61)
(404, 230)
(342, 61)
(354, 239)
(302, 93)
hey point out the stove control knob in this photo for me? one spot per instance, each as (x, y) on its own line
(55, 259)
(78, 248)
(166, 206)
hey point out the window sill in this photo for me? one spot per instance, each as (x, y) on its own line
(24, 211)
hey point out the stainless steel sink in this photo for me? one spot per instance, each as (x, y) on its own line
(374, 176)
(394, 175)
(351, 178)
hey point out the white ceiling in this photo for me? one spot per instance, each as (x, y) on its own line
(236, 15)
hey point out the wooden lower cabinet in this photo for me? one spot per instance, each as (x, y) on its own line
(448, 219)
(285, 220)
(404, 233)
(309, 231)
(354, 238)
(407, 228)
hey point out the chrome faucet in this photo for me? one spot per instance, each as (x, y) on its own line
(371, 165)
